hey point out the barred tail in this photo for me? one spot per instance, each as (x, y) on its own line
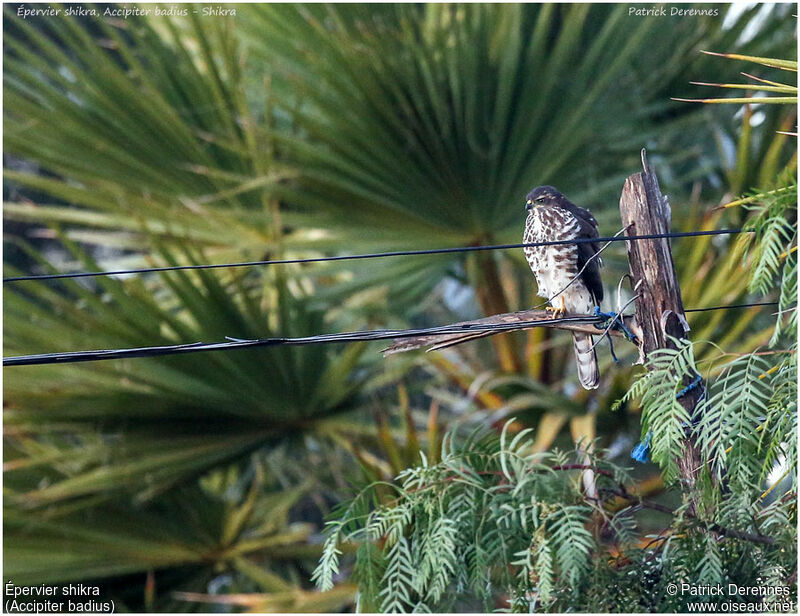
(588, 372)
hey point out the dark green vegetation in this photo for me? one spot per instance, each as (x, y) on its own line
(294, 131)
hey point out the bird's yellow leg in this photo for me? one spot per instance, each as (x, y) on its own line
(558, 311)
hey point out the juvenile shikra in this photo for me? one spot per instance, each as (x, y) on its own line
(568, 275)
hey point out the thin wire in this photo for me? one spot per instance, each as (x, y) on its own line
(374, 255)
(614, 320)
(381, 334)
(596, 255)
(731, 306)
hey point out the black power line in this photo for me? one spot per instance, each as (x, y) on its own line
(361, 336)
(731, 306)
(374, 255)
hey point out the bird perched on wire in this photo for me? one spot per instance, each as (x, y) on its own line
(568, 275)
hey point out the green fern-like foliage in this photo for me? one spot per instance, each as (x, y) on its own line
(663, 417)
(494, 526)
(772, 244)
(452, 525)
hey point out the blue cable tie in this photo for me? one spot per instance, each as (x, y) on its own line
(697, 380)
(641, 453)
(611, 348)
(616, 322)
(613, 321)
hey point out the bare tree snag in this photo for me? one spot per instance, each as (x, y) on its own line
(659, 307)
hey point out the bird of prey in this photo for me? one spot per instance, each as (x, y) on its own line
(568, 275)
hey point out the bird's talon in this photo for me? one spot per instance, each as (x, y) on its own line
(558, 311)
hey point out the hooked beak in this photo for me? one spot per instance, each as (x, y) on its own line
(528, 205)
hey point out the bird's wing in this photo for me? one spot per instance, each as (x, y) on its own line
(587, 250)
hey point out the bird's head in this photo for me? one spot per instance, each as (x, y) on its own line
(542, 196)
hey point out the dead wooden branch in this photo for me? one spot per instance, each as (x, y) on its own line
(441, 341)
(659, 307)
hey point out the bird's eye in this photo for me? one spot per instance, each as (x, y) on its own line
(540, 200)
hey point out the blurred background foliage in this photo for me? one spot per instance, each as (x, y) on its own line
(305, 130)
